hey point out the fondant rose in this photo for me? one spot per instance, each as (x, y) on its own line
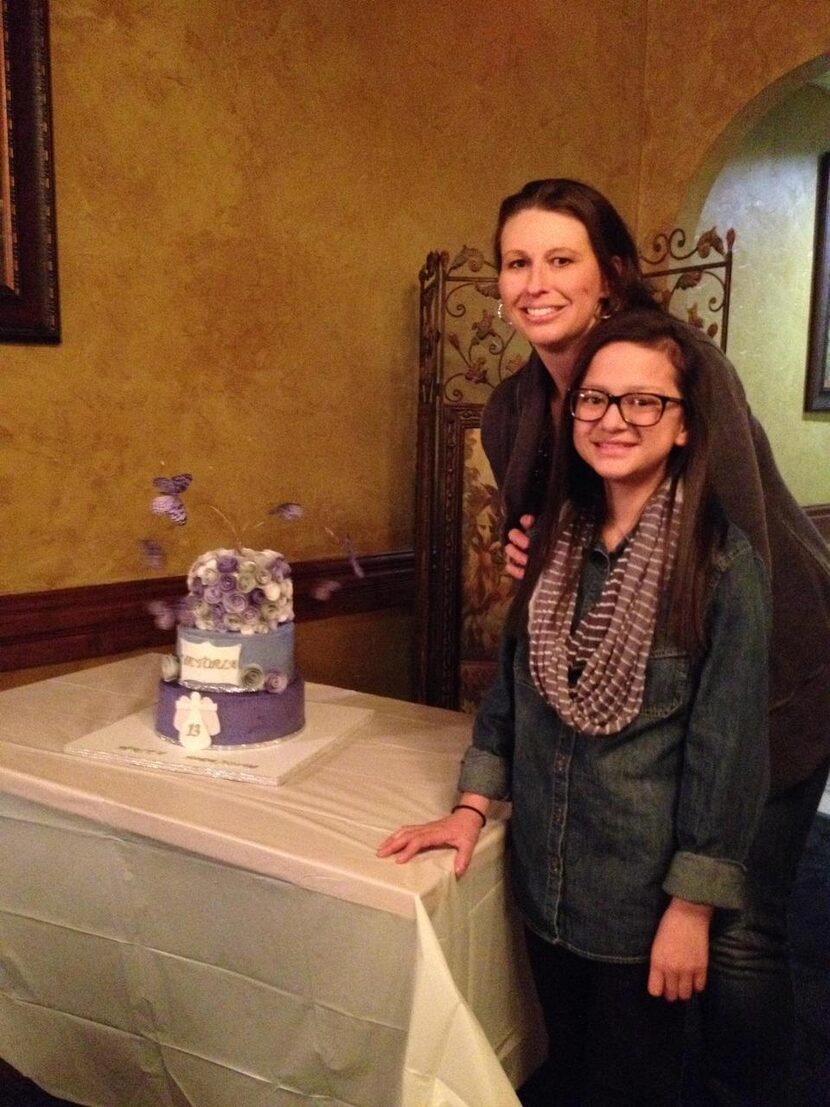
(228, 563)
(252, 678)
(276, 682)
(246, 582)
(269, 611)
(234, 602)
(281, 569)
(186, 615)
(285, 611)
(202, 612)
(170, 667)
(273, 591)
(212, 594)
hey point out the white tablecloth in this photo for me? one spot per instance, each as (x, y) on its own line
(172, 941)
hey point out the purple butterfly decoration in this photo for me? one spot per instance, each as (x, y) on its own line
(164, 615)
(153, 552)
(288, 511)
(348, 549)
(357, 568)
(323, 589)
(169, 503)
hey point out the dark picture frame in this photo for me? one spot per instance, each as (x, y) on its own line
(817, 390)
(29, 310)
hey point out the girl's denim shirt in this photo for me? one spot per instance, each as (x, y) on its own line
(605, 830)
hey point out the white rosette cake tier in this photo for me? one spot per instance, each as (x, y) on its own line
(232, 680)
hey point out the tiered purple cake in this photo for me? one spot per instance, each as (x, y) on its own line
(232, 681)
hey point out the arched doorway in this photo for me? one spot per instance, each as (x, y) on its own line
(760, 177)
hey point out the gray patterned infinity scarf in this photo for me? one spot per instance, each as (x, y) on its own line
(610, 646)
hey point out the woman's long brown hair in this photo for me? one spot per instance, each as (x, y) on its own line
(574, 488)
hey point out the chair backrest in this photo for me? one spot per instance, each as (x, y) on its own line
(466, 350)
(461, 593)
(694, 285)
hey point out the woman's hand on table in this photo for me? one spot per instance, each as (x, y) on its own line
(458, 831)
(515, 552)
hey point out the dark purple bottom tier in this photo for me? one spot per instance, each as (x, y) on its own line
(245, 718)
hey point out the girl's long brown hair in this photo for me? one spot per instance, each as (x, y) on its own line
(575, 489)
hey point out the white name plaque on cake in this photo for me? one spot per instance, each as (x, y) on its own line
(209, 663)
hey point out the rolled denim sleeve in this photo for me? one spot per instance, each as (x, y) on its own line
(726, 754)
(486, 767)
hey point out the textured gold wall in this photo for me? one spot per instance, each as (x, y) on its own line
(246, 192)
(705, 64)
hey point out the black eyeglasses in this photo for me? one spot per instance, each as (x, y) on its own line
(638, 409)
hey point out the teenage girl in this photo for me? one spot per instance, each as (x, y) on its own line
(628, 721)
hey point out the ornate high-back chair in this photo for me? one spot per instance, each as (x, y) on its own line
(462, 591)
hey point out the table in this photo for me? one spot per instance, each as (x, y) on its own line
(173, 941)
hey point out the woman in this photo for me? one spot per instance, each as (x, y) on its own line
(747, 1010)
(747, 1007)
(640, 625)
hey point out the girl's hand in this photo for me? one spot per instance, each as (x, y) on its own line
(680, 951)
(515, 552)
(458, 831)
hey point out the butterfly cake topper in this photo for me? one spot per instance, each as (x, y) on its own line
(169, 504)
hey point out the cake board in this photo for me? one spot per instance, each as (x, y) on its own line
(132, 741)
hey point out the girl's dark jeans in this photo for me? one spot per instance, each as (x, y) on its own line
(611, 1043)
(739, 1040)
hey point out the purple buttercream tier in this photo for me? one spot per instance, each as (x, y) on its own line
(245, 719)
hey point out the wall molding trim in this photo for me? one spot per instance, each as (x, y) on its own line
(72, 624)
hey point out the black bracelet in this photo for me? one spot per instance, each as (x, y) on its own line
(469, 807)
